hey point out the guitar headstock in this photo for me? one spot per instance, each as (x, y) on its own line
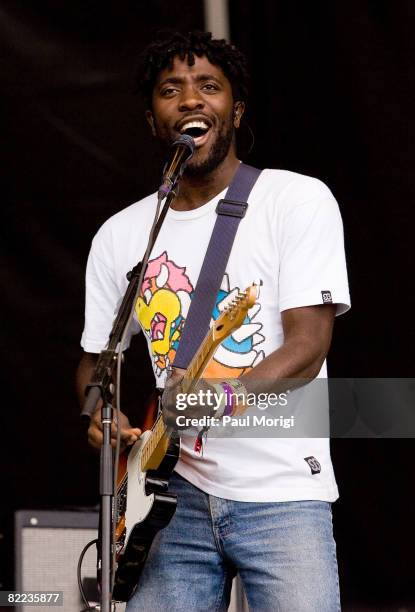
(235, 312)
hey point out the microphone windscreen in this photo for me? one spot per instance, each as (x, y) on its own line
(185, 139)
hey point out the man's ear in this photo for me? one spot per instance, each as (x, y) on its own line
(150, 119)
(238, 111)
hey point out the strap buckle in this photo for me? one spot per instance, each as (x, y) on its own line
(231, 208)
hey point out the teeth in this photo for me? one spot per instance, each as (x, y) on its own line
(194, 124)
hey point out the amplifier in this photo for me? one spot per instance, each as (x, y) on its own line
(47, 549)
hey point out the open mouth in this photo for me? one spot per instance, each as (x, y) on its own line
(158, 326)
(198, 130)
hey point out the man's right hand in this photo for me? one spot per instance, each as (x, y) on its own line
(129, 434)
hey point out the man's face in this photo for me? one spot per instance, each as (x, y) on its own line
(195, 100)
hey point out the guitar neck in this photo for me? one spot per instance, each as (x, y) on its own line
(200, 361)
(156, 446)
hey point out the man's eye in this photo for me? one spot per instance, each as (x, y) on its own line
(210, 86)
(168, 91)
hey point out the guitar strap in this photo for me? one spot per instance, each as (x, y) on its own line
(230, 210)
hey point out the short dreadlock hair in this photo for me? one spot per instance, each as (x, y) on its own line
(161, 53)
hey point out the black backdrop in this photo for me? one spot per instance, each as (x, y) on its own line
(332, 95)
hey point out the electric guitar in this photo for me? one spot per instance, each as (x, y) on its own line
(144, 505)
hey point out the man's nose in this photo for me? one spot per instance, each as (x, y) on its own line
(191, 99)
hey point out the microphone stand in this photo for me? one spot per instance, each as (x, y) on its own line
(102, 387)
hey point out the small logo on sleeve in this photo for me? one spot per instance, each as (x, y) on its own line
(314, 465)
(326, 297)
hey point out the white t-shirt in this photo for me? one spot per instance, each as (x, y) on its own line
(290, 240)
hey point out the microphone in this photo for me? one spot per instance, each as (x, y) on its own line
(182, 150)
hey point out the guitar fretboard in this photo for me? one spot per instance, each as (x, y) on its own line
(199, 361)
(157, 432)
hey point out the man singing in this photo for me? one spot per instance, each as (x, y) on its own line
(259, 507)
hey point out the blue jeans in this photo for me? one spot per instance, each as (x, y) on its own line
(284, 553)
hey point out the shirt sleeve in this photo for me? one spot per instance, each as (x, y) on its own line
(102, 299)
(312, 259)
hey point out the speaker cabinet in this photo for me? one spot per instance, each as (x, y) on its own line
(47, 549)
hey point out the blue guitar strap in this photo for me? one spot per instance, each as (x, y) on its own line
(230, 211)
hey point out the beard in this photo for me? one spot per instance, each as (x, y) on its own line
(216, 155)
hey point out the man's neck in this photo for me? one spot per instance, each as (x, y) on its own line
(196, 191)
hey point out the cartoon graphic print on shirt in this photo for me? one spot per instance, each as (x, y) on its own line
(237, 354)
(162, 309)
